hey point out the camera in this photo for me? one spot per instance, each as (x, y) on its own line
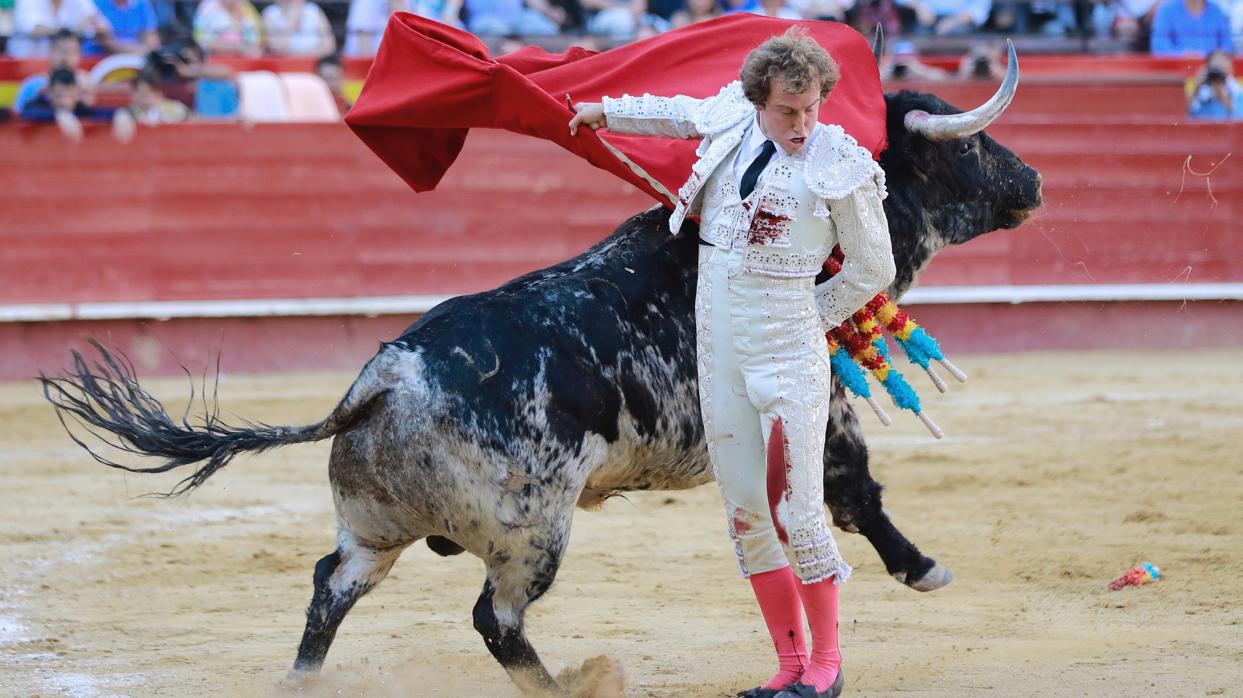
(1215, 76)
(981, 67)
(161, 63)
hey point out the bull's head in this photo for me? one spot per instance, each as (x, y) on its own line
(948, 181)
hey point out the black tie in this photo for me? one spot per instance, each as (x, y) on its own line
(752, 175)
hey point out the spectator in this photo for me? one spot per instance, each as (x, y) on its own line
(330, 70)
(660, 14)
(613, 18)
(696, 11)
(779, 9)
(834, 10)
(62, 104)
(6, 30)
(1236, 18)
(65, 51)
(1189, 28)
(1128, 20)
(1050, 17)
(149, 105)
(618, 19)
(521, 17)
(366, 20)
(868, 13)
(181, 68)
(34, 21)
(297, 28)
(134, 27)
(229, 27)
(178, 66)
(947, 17)
(902, 63)
(982, 62)
(1216, 94)
(575, 21)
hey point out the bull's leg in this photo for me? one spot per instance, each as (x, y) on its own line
(854, 500)
(515, 581)
(340, 579)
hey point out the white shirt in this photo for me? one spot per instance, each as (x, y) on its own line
(304, 38)
(369, 17)
(750, 149)
(76, 15)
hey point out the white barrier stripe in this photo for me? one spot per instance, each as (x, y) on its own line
(414, 305)
(928, 295)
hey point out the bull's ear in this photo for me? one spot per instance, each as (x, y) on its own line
(878, 42)
(948, 127)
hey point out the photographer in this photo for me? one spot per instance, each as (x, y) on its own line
(1216, 94)
(982, 62)
(902, 63)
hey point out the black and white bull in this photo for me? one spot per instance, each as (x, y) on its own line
(493, 416)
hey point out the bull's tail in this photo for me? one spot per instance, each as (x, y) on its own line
(104, 396)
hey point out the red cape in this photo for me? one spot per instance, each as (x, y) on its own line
(431, 83)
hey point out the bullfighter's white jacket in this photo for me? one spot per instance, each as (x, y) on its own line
(763, 365)
(845, 186)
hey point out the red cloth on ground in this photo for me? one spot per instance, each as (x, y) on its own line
(431, 83)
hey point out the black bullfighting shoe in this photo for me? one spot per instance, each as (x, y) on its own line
(758, 692)
(802, 690)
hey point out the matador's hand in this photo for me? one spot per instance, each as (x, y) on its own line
(589, 114)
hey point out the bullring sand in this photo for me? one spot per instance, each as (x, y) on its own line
(1059, 472)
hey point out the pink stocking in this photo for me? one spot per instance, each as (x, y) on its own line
(778, 594)
(820, 600)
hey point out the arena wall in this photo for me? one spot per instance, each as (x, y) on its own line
(293, 247)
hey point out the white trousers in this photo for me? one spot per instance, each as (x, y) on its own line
(763, 370)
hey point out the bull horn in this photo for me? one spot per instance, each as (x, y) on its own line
(948, 127)
(878, 42)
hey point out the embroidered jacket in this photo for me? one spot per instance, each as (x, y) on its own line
(836, 181)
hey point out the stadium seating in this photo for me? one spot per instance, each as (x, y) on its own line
(261, 97)
(308, 98)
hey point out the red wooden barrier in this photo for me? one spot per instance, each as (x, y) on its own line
(221, 211)
(205, 212)
(1084, 98)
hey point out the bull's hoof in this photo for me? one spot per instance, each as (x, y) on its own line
(931, 580)
(298, 679)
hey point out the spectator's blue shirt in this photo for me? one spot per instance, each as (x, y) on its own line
(977, 9)
(752, 6)
(39, 110)
(1207, 106)
(1175, 32)
(508, 11)
(129, 22)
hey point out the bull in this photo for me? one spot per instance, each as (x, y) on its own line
(482, 426)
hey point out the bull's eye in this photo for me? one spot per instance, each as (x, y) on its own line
(964, 148)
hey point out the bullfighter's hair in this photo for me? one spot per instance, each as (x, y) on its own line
(794, 57)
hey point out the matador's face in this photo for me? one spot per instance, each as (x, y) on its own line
(788, 118)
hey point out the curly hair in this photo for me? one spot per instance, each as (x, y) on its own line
(794, 57)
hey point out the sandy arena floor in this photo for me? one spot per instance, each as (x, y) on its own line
(1059, 473)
